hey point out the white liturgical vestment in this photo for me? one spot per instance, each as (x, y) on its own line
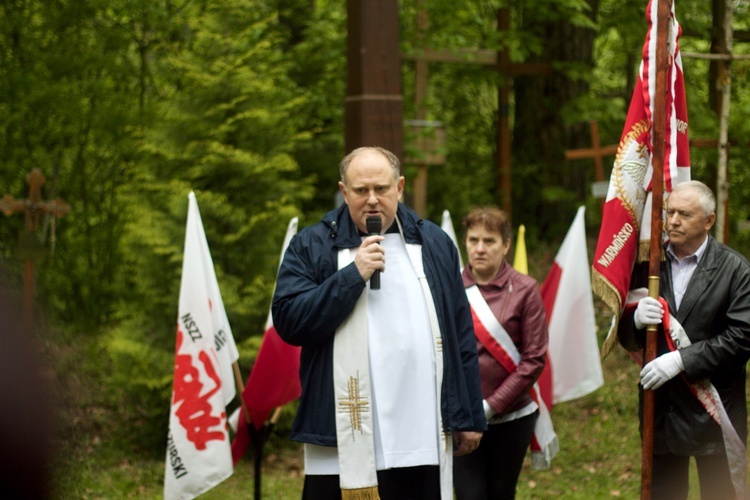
(402, 371)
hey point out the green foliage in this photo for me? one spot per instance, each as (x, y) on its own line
(128, 105)
(226, 133)
(62, 110)
(139, 383)
(600, 455)
(317, 65)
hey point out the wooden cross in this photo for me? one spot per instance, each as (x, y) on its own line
(32, 208)
(508, 70)
(597, 152)
(499, 61)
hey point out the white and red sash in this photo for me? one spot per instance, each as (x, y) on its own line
(492, 335)
(706, 393)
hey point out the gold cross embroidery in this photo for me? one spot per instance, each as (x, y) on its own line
(439, 344)
(354, 405)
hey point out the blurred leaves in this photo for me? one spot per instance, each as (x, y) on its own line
(128, 105)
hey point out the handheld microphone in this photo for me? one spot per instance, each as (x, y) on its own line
(374, 226)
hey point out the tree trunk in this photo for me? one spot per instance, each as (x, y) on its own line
(541, 135)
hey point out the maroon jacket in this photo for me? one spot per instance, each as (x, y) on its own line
(515, 300)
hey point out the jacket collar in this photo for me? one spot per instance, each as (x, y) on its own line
(342, 229)
(700, 280)
(499, 281)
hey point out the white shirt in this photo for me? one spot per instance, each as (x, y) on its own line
(682, 270)
(402, 371)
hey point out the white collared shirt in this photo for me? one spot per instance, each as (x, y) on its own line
(683, 269)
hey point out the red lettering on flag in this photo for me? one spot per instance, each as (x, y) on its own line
(194, 409)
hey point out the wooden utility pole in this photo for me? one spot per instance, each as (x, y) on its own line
(420, 94)
(32, 208)
(373, 107)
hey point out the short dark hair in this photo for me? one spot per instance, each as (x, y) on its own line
(492, 218)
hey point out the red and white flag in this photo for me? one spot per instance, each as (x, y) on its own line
(625, 232)
(274, 379)
(573, 353)
(198, 447)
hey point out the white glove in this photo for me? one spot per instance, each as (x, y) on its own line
(488, 411)
(648, 312)
(663, 368)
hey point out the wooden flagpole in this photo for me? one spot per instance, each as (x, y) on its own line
(657, 199)
(241, 390)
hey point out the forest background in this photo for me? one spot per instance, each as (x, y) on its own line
(127, 105)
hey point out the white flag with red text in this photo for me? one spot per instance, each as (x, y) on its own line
(198, 446)
(573, 348)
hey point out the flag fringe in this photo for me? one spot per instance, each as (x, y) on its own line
(643, 251)
(644, 248)
(606, 291)
(611, 297)
(369, 493)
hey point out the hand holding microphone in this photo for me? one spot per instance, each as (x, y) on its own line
(374, 226)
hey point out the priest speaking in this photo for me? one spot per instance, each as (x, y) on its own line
(390, 381)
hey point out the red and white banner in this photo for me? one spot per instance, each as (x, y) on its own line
(198, 447)
(625, 232)
(274, 379)
(573, 354)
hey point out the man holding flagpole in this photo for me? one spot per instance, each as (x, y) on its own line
(699, 373)
(390, 382)
(652, 158)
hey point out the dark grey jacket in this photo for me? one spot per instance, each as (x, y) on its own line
(313, 297)
(715, 313)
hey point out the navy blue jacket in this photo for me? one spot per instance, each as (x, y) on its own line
(313, 298)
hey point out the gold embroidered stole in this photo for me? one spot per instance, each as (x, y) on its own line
(353, 396)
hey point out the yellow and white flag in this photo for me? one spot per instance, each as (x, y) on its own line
(520, 261)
